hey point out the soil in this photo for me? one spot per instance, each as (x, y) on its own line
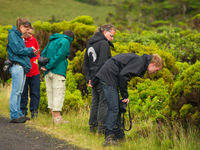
(17, 136)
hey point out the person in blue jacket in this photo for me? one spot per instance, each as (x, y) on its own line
(57, 51)
(20, 56)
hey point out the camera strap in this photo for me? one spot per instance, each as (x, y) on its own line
(130, 120)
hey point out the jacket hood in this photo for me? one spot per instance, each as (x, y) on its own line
(147, 58)
(58, 35)
(98, 36)
(14, 29)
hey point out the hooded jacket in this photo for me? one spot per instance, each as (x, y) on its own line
(17, 51)
(118, 70)
(97, 52)
(57, 51)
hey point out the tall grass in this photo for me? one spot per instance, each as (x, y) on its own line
(144, 136)
(44, 10)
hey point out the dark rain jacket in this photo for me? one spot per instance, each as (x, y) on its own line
(118, 70)
(17, 51)
(97, 52)
(57, 51)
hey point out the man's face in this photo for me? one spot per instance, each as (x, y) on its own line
(109, 35)
(152, 68)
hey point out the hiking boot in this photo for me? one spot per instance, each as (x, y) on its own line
(110, 141)
(34, 114)
(18, 120)
(60, 120)
(27, 118)
(120, 135)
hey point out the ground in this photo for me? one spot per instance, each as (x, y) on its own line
(17, 136)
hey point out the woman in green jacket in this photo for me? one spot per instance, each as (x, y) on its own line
(57, 51)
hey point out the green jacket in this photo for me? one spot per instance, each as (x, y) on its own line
(57, 51)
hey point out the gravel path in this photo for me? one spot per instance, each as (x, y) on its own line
(15, 136)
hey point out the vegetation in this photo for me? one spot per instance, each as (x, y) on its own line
(165, 106)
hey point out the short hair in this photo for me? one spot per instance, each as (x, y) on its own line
(23, 21)
(106, 27)
(69, 33)
(157, 60)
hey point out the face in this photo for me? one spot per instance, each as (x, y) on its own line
(152, 68)
(109, 35)
(24, 29)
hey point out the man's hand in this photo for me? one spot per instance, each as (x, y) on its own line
(90, 83)
(44, 69)
(126, 100)
(35, 50)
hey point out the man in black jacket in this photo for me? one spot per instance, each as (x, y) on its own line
(114, 75)
(97, 52)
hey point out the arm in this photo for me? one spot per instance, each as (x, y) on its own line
(104, 53)
(86, 66)
(17, 47)
(62, 53)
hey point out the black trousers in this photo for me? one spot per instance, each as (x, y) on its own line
(98, 109)
(32, 83)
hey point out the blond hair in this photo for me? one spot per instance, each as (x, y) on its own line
(157, 60)
(22, 21)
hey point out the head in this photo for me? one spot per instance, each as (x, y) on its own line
(69, 33)
(155, 64)
(108, 30)
(23, 25)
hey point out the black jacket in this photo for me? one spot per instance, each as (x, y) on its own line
(97, 52)
(118, 70)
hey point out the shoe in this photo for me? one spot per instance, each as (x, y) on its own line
(27, 118)
(18, 120)
(60, 120)
(34, 114)
(110, 141)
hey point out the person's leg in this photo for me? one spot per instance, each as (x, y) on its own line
(112, 117)
(102, 109)
(24, 98)
(34, 95)
(58, 97)
(18, 80)
(49, 90)
(93, 111)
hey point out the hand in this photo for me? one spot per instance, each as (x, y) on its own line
(36, 51)
(90, 83)
(43, 69)
(126, 100)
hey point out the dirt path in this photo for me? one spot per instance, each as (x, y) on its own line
(19, 137)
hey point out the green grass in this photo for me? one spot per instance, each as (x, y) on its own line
(44, 10)
(143, 136)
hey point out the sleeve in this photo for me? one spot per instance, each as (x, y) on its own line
(125, 75)
(36, 45)
(16, 46)
(86, 66)
(104, 53)
(62, 53)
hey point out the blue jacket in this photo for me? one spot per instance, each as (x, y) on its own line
(57, 51)
(17, 51)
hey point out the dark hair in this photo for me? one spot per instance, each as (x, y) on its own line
(69, 33)
(23, 21)
(106, 27)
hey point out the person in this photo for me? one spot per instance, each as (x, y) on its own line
(20, 56)
(114, 75)
(97, 52)
(57, 51)
(32, 78)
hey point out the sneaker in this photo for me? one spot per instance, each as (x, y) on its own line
(110, 141)
(18, 120)
(60, 120)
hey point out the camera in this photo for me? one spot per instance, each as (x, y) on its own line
(43, 61)
(122, 106)
(7, 65)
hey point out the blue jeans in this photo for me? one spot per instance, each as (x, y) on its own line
(98, 109)
(33, 84)
(18, 80)
(113, 118)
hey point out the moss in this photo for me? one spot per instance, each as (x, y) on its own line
(185, 110)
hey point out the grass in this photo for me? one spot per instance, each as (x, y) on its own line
(44, 10)
(143, 136)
